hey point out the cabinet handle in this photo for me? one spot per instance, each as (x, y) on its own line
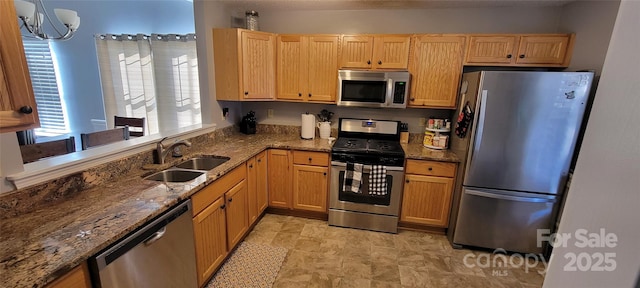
(299, 94)
(259, 160)
(379, 62)
(309, 94)
(412, 99)
(230, 199)
(406, 180)
(310, 159)
(246, 92)
(251, 166)
(369, 62)
(26, 110)
(509, 56)
(521, 56)
(430, 168)
(325, 173)
(223, 206)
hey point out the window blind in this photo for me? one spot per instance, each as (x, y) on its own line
(45, 87)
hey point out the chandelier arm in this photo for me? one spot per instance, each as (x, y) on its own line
(46, 14)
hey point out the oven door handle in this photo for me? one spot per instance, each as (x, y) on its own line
(366, 167)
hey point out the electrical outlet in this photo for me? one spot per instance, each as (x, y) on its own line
(269, 113)
(225, 113)
(422, 121)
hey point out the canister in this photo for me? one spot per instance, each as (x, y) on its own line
(251, 18)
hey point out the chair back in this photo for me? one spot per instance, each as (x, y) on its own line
(104, 137)
(138, 123)
(34, 152)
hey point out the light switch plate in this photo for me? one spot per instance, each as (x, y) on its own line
(422, 121)
(269, 113)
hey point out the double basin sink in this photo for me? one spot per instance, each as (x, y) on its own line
(193, 168)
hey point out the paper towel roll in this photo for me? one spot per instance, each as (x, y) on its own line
(308, 130)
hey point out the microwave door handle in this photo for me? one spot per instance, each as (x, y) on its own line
(389, 97)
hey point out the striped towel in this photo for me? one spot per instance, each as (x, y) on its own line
(378, 180)
(352, 178)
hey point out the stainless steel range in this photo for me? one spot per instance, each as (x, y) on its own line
(367, 169)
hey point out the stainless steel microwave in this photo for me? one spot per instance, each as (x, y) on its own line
(373, 89)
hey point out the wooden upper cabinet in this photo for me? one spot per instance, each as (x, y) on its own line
(291, 64)
(375, 51)
(307, 67)
(18, 109)
(356, 52)
(543, 49)
(526, 50)
(491, 49)
(244, 64)
(391, 52)
(436, 66)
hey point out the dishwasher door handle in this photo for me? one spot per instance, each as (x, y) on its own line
(155, 237)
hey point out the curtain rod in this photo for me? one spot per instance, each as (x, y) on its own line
(136, 37)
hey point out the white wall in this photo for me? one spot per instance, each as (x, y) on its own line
(209, 14)
(605, 191)
(592, 21)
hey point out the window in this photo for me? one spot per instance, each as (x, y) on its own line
(44, 79)
(155, 77)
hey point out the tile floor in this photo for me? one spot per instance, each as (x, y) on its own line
(324, 256)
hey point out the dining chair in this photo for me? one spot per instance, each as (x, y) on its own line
(37, 151)
(104, 137)
(138, 123)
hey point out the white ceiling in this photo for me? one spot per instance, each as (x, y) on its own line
(267, 5)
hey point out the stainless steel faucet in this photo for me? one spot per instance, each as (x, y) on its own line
(163, 151)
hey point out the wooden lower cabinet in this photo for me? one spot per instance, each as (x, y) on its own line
(280, 184)
(310, 187)
(220, 220)
(237, 216)
(258, 199)
(427, 193)
(210, 233)
(76, 278)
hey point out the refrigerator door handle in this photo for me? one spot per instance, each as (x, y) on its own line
(480, 127)
(541, 199)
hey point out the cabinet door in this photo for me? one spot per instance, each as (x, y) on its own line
(356, 51)
(391, 52)
(209, 230)
(542, 49)
(310, 188)
(76, 278)
(491, 50)
(279, 178)
(426, 200)
(15, 83)
(292, 71)
(258, 65)
(252, 199)
(237, 216)
(323, 68)
(261, 182)
(436, 67)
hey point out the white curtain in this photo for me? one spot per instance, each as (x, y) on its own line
(155, 77)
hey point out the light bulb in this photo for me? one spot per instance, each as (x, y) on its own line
(25, 9)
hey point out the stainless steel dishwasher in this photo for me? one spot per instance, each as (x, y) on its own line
(160, 254)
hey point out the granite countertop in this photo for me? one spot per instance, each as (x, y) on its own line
(45, 244)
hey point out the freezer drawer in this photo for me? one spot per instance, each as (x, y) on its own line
(503, 219)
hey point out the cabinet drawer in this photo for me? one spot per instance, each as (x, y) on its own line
(431, 168)
(213, 191)
(311, 158)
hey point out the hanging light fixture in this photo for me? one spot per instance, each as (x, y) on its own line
(33, 14)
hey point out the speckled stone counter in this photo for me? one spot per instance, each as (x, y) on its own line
(41, 245)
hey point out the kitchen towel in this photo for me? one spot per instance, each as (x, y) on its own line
(352, 178)
(308, 129)
(378, 180)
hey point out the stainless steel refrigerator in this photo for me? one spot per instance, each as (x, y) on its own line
(515, 155)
